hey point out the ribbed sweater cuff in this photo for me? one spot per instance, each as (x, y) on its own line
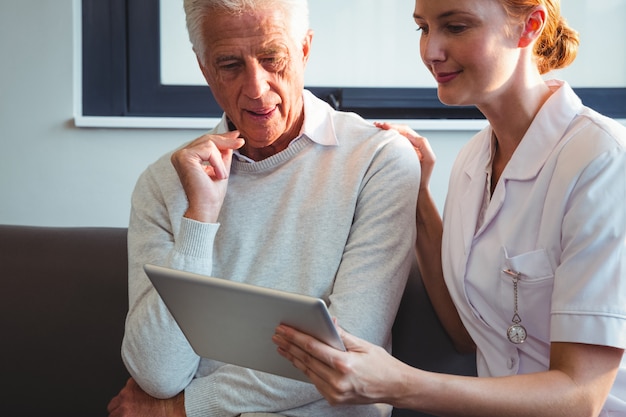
(195, 239)
(201, 400)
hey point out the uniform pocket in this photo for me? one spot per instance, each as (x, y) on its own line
(533, 266)
(534, 290)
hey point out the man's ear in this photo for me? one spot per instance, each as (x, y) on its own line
(533, 27)
(306, 46)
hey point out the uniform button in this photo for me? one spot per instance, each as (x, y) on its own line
(511, 362)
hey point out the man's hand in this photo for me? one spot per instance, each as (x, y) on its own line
(203, 167)
(132, 401)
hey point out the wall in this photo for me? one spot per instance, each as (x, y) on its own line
(54, 174)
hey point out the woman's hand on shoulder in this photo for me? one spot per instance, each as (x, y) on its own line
(421, 145)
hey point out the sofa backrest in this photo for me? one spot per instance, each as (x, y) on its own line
(420, 341)
(63, 302)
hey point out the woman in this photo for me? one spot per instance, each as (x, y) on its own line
(531, 270)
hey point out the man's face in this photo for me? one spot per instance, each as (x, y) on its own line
(256, 72)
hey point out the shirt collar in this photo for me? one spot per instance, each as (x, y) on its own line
(318, 123)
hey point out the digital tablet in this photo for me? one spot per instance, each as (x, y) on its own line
(234, 322)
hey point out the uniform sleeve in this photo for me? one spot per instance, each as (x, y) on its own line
(589, 301)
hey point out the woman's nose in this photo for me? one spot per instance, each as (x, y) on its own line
(432, 49)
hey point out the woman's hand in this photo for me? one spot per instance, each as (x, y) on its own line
(422, 147)
(364, 374)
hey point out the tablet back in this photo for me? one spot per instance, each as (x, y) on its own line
(234, 322)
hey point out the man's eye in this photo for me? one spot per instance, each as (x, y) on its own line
(272, 62)
(229, 66)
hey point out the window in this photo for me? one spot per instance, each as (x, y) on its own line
(121, 77)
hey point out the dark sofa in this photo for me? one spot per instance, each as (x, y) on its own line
(63, 300)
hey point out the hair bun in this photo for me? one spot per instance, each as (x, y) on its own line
(558, 46)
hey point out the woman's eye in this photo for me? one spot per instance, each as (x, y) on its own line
(423, 29)
(456, 28)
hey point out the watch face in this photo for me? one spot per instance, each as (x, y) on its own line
(516, 334)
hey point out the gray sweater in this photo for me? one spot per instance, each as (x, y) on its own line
(332, 216)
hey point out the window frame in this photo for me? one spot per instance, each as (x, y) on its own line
(121, 77)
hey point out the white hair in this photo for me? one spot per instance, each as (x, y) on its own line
(196, 11)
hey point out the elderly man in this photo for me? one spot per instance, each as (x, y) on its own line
(285, 192)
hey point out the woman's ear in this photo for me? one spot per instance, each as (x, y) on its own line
(533, 27)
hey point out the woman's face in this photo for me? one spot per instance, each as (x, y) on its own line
(470, 47)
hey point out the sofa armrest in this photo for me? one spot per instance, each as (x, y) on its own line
(63, 301)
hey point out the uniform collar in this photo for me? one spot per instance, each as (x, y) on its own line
(542, 137)
(546, 130)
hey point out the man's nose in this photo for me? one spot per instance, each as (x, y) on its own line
(257, 81)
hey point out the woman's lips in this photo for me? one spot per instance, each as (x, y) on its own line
(445, 77)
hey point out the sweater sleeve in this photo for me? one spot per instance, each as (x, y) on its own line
(379, 252)
(154, 350)
(213, 395)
